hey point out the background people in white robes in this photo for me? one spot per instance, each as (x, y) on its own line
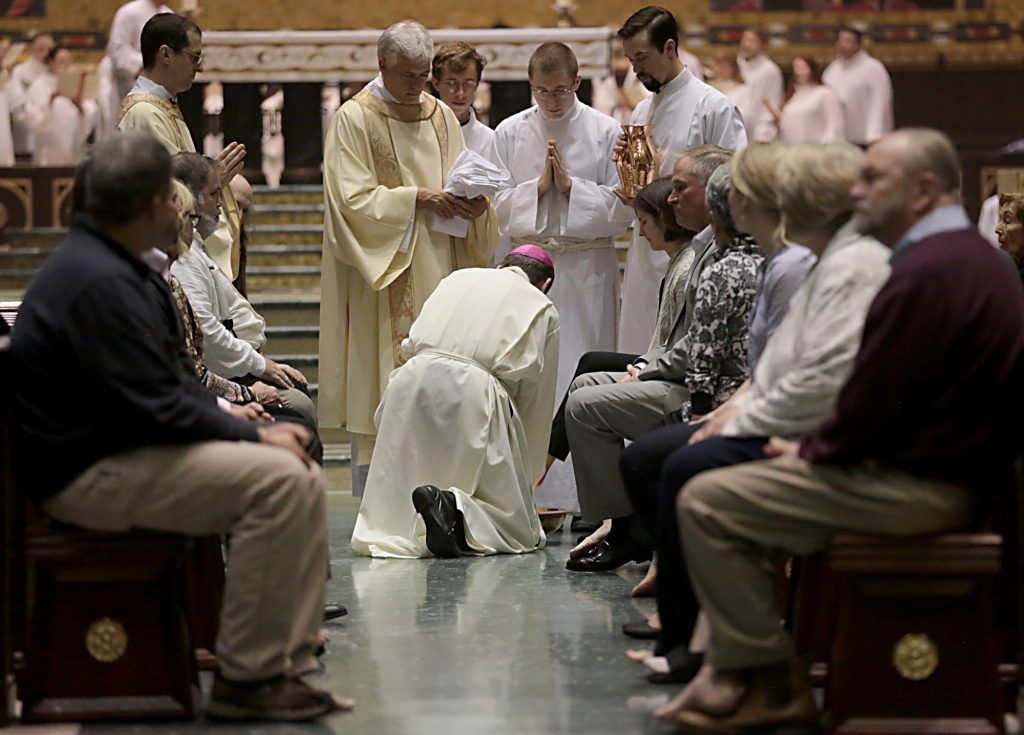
(728, 79)
(764, 79)
(559, 153)
(813, 113)
(468, 415)
(61, 126)
(863, 84)
(124, 48)
(683, 113)
(17, 91)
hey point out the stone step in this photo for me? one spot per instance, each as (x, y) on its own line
(302, 277)
(16, 279)
(287, 309)
(292, 340)
(337, 454)
(19, 258)
(268, 255)
(311, 194)
(39, 237)
(286, 234)
(287, 214)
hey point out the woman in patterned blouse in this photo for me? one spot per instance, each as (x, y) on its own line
(717, 339)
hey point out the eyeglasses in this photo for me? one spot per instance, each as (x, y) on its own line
(453, 86)
(559, 93)
(197, 59)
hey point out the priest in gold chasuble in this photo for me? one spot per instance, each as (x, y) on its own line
(386, 159)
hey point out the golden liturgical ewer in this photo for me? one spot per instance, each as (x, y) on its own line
(636, 164)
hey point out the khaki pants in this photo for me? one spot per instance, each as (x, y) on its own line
(600, 414)
(271, 503)
(734, 521)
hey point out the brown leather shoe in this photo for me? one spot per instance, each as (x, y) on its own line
(280, 699)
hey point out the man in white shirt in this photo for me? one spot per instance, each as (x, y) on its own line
(455, 75)
(17, 91)
(559, 153)
(863, 84)
(683, 113)
(124, 48)
(233, 332)
(763, 78)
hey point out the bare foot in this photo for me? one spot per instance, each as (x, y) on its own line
(654, 621)
(323, 637)
(657, 664)
(343, 704)
(712, 692)
(639, 655)
(646, 588)
(590, 541)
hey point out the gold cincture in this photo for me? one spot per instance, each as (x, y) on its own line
(106, 640)
(636, 164)
(915, 656)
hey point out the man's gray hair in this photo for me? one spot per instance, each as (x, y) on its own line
(706, 160)
(122, 176)
(405, 40)
(930, 150)
(716, 199)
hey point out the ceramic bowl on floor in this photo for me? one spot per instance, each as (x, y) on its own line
(551, 519)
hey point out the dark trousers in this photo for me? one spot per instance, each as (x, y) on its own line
(655, 467)
(591, 362)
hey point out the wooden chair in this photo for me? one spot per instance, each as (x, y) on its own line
(902, 633)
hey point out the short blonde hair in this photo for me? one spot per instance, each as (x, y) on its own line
(813, 182)
(753, 173)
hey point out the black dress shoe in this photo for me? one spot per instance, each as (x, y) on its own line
(606, 557)
(446, 531)
(640, 630)
(333, 610)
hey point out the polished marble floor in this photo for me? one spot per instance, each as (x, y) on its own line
(481, 646)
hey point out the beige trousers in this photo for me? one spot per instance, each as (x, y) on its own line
(274, 507)
(734, 522)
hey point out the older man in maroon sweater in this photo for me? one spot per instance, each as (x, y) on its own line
(925, 428)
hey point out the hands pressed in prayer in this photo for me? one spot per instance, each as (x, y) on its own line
(559, 171)
(292, 437)
(470, 208)
(230, 162)
(266, 394)
(777, 447)
(250, 412)
(632, 374)
(546, 179)
(439, 202)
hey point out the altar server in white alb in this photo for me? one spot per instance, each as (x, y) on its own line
(455, 74)
(763, 78)
(22, 77)
(683, 113)
(863, 84)
(463, 425)
(124, 49)
(559, 153)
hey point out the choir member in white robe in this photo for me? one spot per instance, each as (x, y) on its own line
(124, 47)
(728, 79)
(764, 79)
(469, 413)
(863, 84)
(6, 139)
(61, 126)
(683, 113)
(22, 77)
(386, 160)
(455, 75)
(107, 99)
(559, 153)
(814, 113)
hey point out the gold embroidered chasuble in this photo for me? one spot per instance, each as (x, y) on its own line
(162, 119)
(381, 259)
